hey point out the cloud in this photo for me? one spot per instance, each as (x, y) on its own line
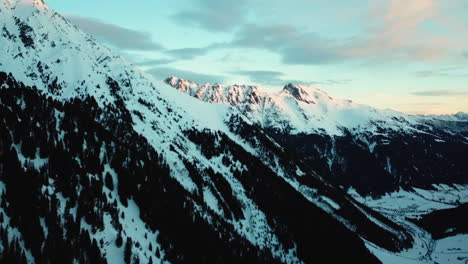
(188, 53)
(120, 37)
(154, 62)
(453, 72)
(295, 46)
(192, 53)
(403, 14)
(398, 29)
(424, 104)
(390, 40)
(214, 15)
(440, 93)
(164, 72)
(336, 82)
(278, 78)
(424, 74)
(391, 30)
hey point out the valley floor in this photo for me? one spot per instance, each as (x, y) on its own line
(401, 205)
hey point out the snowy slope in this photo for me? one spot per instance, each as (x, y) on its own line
(298, 108)
(65, 63)
(40, 48)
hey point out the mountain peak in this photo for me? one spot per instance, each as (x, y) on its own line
(171, 80)
(25, 8)
(298, 92)
(176, 81)
(216, 93)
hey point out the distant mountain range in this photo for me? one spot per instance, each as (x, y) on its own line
(348, 143)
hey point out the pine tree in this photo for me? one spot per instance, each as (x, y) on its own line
(109, 182)
(118, 241)
(128, 250)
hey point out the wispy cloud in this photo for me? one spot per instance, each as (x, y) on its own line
(214, 15)
(295, 46)
(154, 62)
(392, 30)
(453, 72)
(120, 37)
(188, 53)
(440, 93)
(280, 78)
(397, 31)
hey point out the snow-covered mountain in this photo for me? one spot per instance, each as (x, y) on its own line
(305, 109)
(296, 108)
(101, 163)
(337, 137)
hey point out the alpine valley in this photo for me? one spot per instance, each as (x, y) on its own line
(101, 163)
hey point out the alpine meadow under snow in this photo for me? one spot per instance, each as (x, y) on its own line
(101, 163)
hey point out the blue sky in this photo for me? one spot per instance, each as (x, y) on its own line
(408, 55)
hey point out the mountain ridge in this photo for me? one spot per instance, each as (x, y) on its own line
(337, 136)
(311, 110)
(297, 91)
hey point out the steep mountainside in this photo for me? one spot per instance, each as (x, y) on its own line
(99, 163)
(353, 145)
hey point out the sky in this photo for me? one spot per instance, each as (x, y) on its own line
(406, 55)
